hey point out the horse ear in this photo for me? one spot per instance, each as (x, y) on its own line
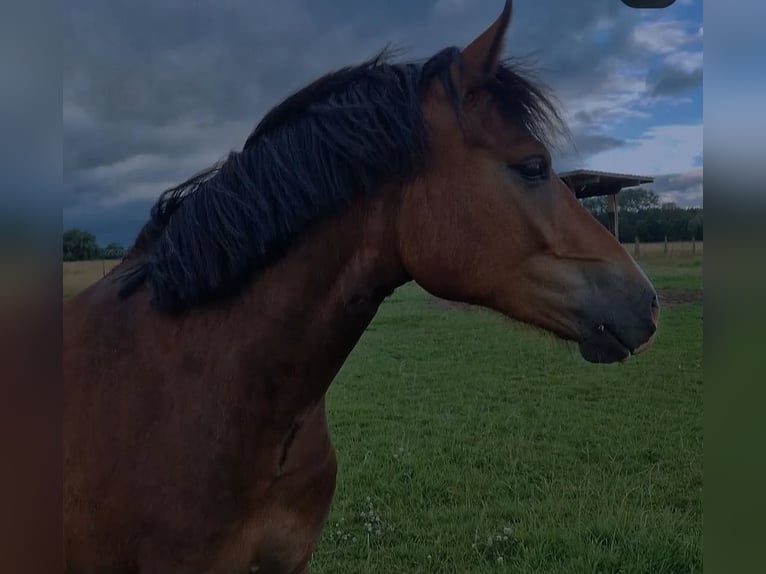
(480, 58)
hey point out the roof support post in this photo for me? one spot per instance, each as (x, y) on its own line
(611, 211)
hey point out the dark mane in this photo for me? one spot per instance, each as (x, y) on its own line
(340, 137)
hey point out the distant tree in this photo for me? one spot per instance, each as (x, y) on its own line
(596, 205)
(655, 224)
(669, 205)
(113, 251)
(635, 199)
(695, 225)
(80, 245)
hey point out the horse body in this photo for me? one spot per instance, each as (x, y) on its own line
(195, 437)
(236, 460)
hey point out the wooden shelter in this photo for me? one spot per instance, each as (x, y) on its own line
(589, 183)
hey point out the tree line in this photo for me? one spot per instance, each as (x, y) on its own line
(81, 245)
(642, 215)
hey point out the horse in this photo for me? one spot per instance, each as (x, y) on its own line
(195, 436)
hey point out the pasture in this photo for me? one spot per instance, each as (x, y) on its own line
(80, 274)
(470, 444)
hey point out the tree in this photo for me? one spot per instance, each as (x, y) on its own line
(695, 225)
(113, 251)
(80, 245)
(596, 205)
(635, 199)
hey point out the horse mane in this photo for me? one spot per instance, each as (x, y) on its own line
(342, 136)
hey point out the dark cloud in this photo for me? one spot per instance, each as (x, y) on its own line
(582, 117)
(684, 189)
(585, 145)
(670, 81)
(590, 144)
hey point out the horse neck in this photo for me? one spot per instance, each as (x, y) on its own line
(300, 319)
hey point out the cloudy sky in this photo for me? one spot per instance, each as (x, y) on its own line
(156, 91)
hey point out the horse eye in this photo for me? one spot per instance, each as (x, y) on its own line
(533, 169)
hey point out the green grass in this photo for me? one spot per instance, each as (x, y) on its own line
(469, 444)
(673, 272)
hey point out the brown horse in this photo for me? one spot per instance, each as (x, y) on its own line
(195, 435)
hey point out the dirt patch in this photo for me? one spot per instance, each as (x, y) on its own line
(675, 297)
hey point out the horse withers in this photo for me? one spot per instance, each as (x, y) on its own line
(195, 437)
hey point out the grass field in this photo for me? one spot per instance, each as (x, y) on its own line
(467, 444)
(80, 274)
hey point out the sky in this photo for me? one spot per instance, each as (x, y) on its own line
(154, 92)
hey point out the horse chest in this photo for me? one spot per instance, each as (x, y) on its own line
(287, 515)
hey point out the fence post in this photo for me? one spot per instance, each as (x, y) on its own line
(694, 244)
(103, 268)
(636, 250)
(666, 245)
